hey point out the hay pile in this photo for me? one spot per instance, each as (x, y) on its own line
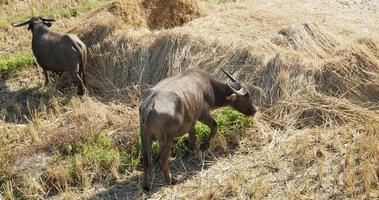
(172, 13)
(131, 12)
(156, 14)
(310, 38)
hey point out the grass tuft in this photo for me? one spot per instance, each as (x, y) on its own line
(230, 124)
(9, 65)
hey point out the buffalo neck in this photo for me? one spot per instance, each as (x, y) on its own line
(39, 29)
(221, 92)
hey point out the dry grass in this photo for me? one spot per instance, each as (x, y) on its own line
(316, 135)
(165, 14)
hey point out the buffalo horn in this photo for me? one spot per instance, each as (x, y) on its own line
(229, 75)
(48, 20)
(241, 91)
(22, 24)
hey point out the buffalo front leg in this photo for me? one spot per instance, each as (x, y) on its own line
(78, 83)
(192, 138)
(81, 72)
(164, 154)
(146, 160)
(47, 81)
(208, 120)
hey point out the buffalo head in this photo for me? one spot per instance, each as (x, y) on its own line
(241, 98)
(32, 22)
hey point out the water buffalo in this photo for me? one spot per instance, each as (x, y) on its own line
(172, 107)
(57, 52)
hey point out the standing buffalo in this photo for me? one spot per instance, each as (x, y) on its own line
(57, 52)
(172, 107)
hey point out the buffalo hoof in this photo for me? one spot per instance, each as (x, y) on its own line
(146, 187)
(192, 146)
(204, 146)
(174, 180)
(81, 92)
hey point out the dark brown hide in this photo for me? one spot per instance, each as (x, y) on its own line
(172, 107)
(57, 52)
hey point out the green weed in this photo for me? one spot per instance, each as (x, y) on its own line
(229, 119)
(4, 2)
(3, 22)
(229, 122)
(11, 64)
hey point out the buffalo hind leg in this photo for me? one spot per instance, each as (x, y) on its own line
(146, 159)
(78, 83)
(81, 72)
(192, 138)
(47, 81)
(208, 120)
(164, 154)
(59, 73)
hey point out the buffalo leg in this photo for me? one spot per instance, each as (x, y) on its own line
(78, 83)
(208, 120)
(83, 76)
(47, 81)
(164, 154)
(192, 138)
(59, 73)
(147, 161)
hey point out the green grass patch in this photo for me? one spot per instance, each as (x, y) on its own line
(98, 151)
(3, 22)
(230, 119)
(2, 2)
(229, 122)
(10, 64)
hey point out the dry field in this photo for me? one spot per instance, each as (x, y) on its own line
(313, 67)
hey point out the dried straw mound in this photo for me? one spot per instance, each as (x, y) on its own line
(299, 92)
(123, 61)
(171, 13)
(309, 38)
(126, 14)
(130, 11)
(353, 73)
(97, 26)
(156, 14)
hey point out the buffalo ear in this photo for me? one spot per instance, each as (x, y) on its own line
(232, 97)
(237, 88)
(48, 24)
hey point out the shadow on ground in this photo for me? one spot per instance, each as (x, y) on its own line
(131, 187)
(24, 104)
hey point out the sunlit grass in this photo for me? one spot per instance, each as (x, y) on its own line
(11, 64)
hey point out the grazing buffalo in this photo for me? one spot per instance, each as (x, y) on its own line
(57, 52)
(172, 107)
